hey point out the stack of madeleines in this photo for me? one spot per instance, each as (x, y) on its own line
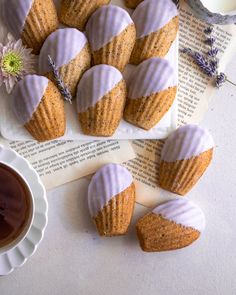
(172, 225)
(107, 38)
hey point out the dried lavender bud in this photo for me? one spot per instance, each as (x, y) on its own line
(186, 50)
(207, 67)
(59, 82)
(208, 30)
(213, 52)
(220, 79)
(214, 63)
(210, 41)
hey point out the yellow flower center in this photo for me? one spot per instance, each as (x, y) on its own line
(12, 63)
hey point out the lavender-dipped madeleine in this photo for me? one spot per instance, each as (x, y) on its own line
(152, 89)
(111, 199)
(69, 49)
(157, 24)
(101, 98)
(111, 34)
(31, 20)
(132, 3)
(185, 156)
(38, 105)
(170, 226)
(77, 12)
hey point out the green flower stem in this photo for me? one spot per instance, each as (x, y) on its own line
(230, 82)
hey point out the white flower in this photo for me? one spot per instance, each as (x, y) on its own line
(16, 61)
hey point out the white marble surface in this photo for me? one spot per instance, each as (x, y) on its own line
(72, 259)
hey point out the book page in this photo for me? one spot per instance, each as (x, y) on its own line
(194, 94)
(59, 162)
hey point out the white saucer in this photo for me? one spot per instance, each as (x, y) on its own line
(19, 255)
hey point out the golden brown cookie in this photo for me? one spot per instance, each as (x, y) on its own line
(170, 226)
(132, 3)
(185, 157)
(39, 107)
(75, 13)
(152, 90)
(32, 21)
(113, 42)
(111, 199)
(72, 59)
(101, 98)
(157, 24)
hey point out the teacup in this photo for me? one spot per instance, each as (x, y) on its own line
(16, 207)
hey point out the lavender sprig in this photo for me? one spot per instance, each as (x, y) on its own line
(208, 30)
(210, 41)
(59, 82)
(209, 63)
(204, 64)
(213, 52)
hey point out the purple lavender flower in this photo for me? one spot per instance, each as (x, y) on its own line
(59, 82)
(207, 67)
(210, 41)
(208, 30)
(214, 63)
(213, 52)
(220, 79)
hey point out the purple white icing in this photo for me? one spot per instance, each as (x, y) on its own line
(95, 83)
(27, 95)
(108, 181)
(15, 14)
(152, 15)
(106, 22)
(186, 142)
(182, 212)
(151, 76)
(63, 46)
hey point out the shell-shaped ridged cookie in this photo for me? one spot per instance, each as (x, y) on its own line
(72, 59)
(31, 20)
(76, 13)
(27, 95)
(95, 83)
(15, 14)
(182, 212)
(73, 42)
(157, 26)
(151, 15)
(170, 226)
(101, 98)
(132, 3)
(186, 142)
(106, 23)
(152, 89)
(111, 33)
(38, 105)
(151, 76)
(185, 157)
(111, 197)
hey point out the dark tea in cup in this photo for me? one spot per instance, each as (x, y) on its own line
(16, 206)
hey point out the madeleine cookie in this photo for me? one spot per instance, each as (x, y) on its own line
(152, 89)
(101, 98)
(77, 12)
(170, 226)
(31, 20)
(69, 49)
(111, 34)
(132, 3)
(38, 105)
(185, 156)
(157, 24)
(111, 198)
